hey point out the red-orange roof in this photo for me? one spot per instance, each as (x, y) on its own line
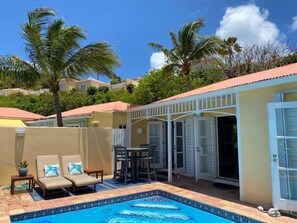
(16, 113)
(274, 73)
(87, 110)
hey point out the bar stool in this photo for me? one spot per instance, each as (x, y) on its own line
(145, 160)
(121, 159)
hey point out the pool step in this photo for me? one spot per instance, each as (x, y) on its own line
(155, 215)
(156, 206)
(124, 220)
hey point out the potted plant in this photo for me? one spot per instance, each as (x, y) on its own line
(23, 168)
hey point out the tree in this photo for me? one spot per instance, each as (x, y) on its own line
(154, 87)
(92, 90)
(188, 50)
(54, 52)
(115, 80)
(228, 48)
(130, 88)
(258, 57)
(103, 89)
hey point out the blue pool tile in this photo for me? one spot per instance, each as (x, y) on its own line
(164, 195)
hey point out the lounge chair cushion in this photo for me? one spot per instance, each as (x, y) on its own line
(51, 170)
(75, 168)
(82, 180)
(54, 182)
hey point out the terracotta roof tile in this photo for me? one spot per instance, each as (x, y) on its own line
(87, 110)
(242, 80)
(18, 114)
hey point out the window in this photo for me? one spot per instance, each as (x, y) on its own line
(83, 87)
(122, 126)
(61, 86)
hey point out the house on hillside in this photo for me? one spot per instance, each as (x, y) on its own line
(81, 85)
(8, 91)
(14, 117)
(112, 115)
(125, 83)
(239, 131)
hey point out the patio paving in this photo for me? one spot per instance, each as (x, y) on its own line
(202, 191)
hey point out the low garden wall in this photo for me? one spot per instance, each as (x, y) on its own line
(93, 144)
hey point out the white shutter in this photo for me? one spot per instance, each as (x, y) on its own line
(189, 147)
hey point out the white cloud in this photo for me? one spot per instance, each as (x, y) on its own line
(248, 24)
(157, 60)
(294, 24)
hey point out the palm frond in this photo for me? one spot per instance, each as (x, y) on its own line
(18, 69)
(33, 32)
(170, 69)
(97, 57)
(61, 43)
(170, 56)
(206, 47)
(187, 36)
(40, 16)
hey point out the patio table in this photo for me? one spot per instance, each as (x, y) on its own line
(135, 151)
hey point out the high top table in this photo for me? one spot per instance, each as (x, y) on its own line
(134, 152)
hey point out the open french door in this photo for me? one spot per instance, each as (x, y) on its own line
(282, 119)
(155, 136)
(205, 148)
(179, 147)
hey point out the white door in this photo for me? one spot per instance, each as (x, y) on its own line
(155, 137)
(205, 151)
(283, 151)
(179, 147)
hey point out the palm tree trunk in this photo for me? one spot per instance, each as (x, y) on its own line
(58, 109)
(189, 82)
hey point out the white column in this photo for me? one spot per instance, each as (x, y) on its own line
(195, 134)
(196, 160)
(239, 148)
(169, 143)
(129, 130)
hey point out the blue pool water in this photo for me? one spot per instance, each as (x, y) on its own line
(144, 210)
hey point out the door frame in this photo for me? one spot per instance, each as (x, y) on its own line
(278, 202)
(199, 175)
(161, 164)
(182, 169)
(217, 146)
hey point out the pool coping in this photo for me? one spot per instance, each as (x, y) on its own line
(74, 207)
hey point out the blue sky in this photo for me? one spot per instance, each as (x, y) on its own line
(129, 25)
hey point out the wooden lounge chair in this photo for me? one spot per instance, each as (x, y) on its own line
(49, 184)
(79, 180)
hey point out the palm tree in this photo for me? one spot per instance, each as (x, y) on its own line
(188, 50)
(54, 52)
(227, 49)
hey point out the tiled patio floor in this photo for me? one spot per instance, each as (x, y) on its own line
(202, 191)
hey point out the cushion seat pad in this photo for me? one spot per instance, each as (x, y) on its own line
(82, 180)
(54, 182)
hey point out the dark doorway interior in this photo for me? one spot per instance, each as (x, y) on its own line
(228, 154)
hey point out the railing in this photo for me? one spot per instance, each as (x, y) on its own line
(119, 137)
(186, 105)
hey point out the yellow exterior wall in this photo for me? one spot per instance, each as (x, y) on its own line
(69, 84)
(93, 144)
(108, 119)
(136, 138)
(89, 83)
(104, 119)
(119, 118)
(255, 144)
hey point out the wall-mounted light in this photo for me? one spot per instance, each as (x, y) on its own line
(139, 131)
(95, 123)
(20, 131)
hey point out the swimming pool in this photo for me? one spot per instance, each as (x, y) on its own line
(154, 206)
